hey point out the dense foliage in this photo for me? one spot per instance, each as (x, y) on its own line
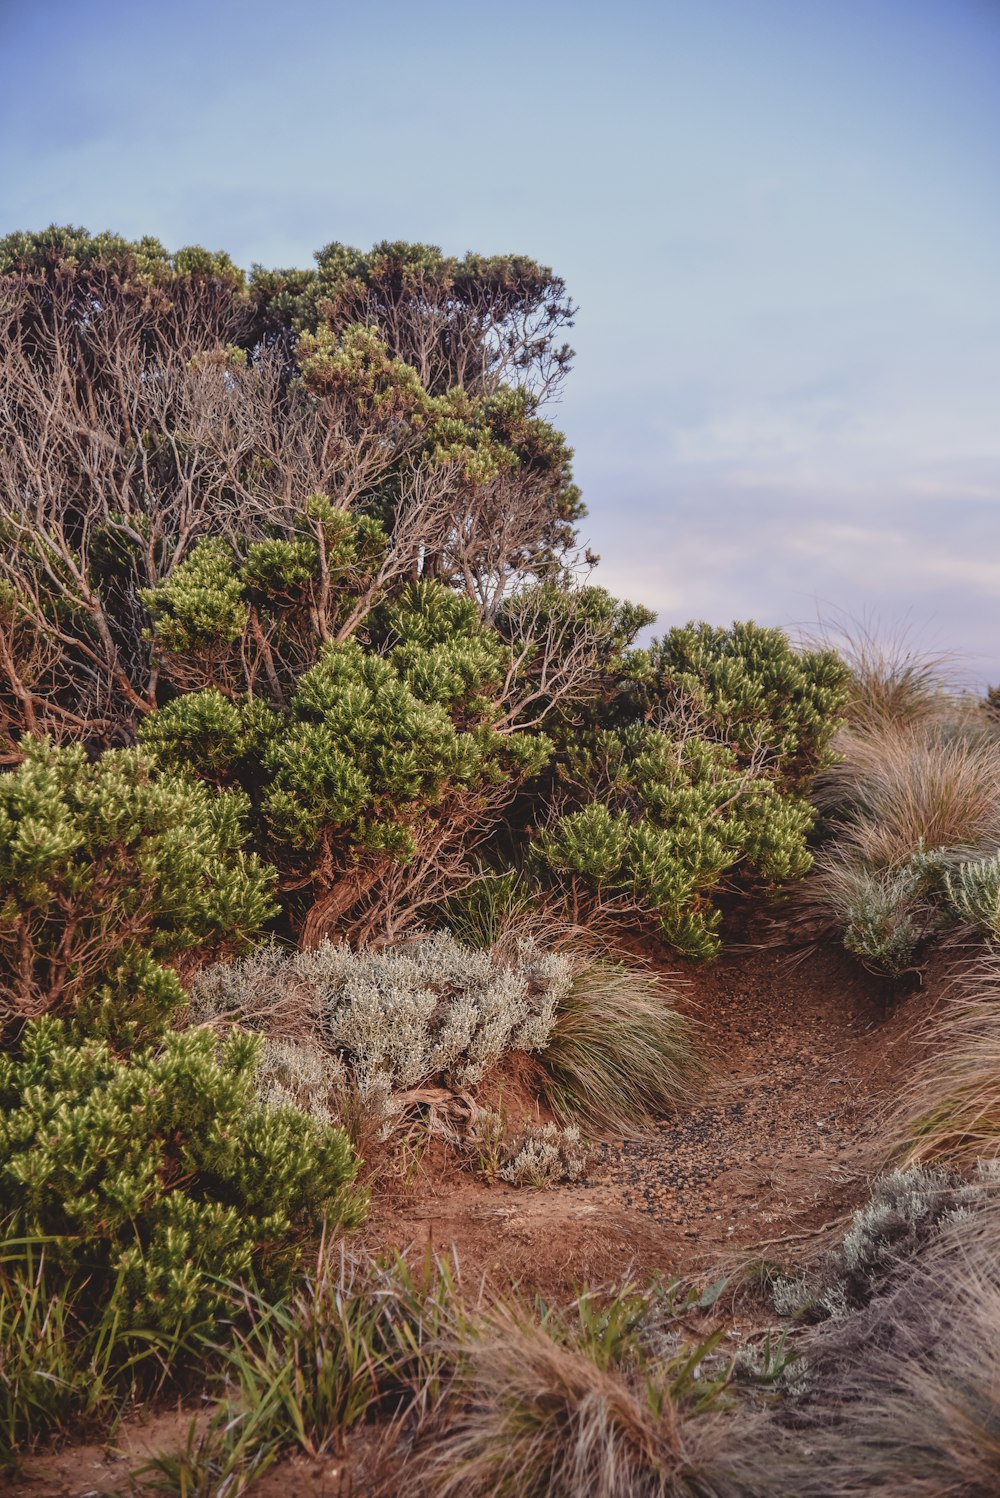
(110, 871)
(161, 1174)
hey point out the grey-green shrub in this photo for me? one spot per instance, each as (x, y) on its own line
(403, 1016)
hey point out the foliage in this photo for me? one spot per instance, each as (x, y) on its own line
(60, 1364)
(534, 1155)
(400, 390)
(972, 889)
(750, 688)
(913, 823)
(358, 768)
(395, 1018)
(108, 871)
(663, 821)
(900, 1398)
(157, 1173)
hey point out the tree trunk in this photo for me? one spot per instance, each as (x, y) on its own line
(322, 917)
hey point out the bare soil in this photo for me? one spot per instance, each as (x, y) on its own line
(808, 1054)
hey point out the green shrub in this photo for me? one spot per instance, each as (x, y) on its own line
(749, 687)
(108, 871)
(664, 821)
(350, 779)
(160, 1172)
(972, 889)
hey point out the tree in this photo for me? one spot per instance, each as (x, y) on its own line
(153, 402)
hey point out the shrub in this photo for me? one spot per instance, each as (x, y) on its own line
(534, 1155)
(663, 822)
(884, 914)
(108, 871)
(381, 751)
(403, 1016)
(972, 889)
(158, 1173)
(748, 687)
(619, 1055)
(903, 1216)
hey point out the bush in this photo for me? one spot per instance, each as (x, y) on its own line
(972, 889)
(159, 1174)
(534, 1155)
(396, 1018)
(664, 821)
(108, 871)
(750, 688)
(380, 750)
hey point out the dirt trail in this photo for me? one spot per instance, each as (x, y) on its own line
(807, 1059)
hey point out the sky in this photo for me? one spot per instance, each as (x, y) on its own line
(779, 219)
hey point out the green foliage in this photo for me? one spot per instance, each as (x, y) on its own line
(370, 743)
(61, 1363)
(108, 871)
(157, 1173)
(972, 888)
(670, 818)
(67, 251)
(750, 688)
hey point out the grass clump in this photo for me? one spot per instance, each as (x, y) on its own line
(61, 1364)
(951, 1108)
(620, 1054)
(912, 815)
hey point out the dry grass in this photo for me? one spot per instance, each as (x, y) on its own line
(951, 1109)
(534, 1416)
(903, 1398)
(899, 789)
(620, 1054)
(892, 680)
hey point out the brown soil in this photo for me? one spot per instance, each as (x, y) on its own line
(809, 1053)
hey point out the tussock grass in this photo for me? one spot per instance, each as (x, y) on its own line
(893, 681)
(951, 1109)
(538, 1419)
(620, 1054)
(896, 790)
(912, 799)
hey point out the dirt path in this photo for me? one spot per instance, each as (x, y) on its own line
(806, 1061)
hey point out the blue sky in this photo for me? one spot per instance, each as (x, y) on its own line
(780, 219)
